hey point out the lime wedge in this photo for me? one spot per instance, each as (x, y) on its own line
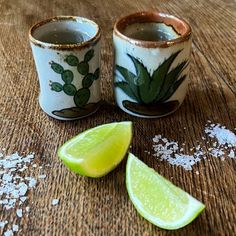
(157, 199)
(97, 151)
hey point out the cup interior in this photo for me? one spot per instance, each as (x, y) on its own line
(152, 28)
(151, 31)
(64, 30)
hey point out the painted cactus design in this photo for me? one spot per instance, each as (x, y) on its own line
(81, 96)
(151, 91)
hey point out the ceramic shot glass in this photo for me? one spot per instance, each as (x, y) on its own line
(66, 52)
(151, 68)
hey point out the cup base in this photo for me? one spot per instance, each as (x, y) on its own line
(153, 111)
(73, 113)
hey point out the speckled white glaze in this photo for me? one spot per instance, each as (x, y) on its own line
(46, 53)
(151, 57)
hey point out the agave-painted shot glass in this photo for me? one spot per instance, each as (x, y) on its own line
(151, 65)
(66, 52)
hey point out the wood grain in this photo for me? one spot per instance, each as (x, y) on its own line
(101, 207)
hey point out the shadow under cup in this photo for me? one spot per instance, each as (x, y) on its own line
(152, 52)
(66, 51)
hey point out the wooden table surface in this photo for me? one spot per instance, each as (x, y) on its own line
(101, 206)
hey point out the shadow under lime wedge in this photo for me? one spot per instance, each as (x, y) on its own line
(157, 199)
(97, 151)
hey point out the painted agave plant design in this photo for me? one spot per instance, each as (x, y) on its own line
(151, 92)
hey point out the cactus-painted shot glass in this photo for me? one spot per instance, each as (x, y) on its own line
(152, 52)
(66, 52)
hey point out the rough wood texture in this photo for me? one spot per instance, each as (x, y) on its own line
(101, 206)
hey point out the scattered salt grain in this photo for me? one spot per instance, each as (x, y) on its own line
(32, 182)
(186, 161)
(3, 223)
(23, 168)
(22, 189)
(232, 154)
(19, 212)
(224, 145)
(197, 172)
(8, 233)
(15, 228)
(23, 199)
(216, 152)
(42, 176)
(14, 184)
(170, 151)
(223, 135)
(55, 202)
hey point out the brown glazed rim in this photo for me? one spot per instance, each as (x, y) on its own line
(180, 26)
(42, 44)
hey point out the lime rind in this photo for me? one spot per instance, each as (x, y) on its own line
(193, 209)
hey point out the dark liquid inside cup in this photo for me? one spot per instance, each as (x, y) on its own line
(151, 35)
(151, 31)
(64, 37)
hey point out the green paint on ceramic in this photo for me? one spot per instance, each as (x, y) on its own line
(69, 89)
(72, 60)
(97, 73)
(89, 55)
(67, 76)
(81, 96)
(57, 87)
(83, 67)
(151, 91)
(57, 68)
(88, 80)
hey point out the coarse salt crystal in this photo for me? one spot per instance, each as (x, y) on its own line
(55, 202)
(7, 178)
(4, 201)
(8, 233)
(19, 212)
(3, 223)
(170, 151)
(42, 176)
(223, 135)
(11, 203)
(216, 152)
(23, 199)
(232, 154)
(15, 228)
(167, 151)
(32, 181)
(22, 189)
